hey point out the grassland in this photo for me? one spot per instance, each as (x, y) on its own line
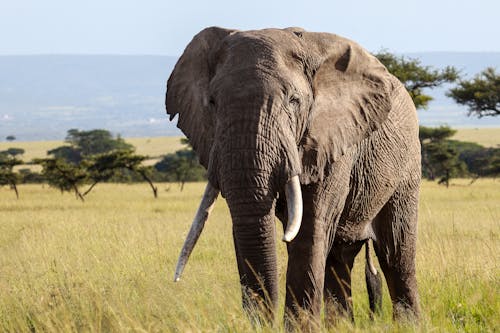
(488, 137)
(153, 147)
(107, 264)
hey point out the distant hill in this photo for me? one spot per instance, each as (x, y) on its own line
(43, 96)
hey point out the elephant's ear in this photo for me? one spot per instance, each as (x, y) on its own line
(351, 91)
(187, 90)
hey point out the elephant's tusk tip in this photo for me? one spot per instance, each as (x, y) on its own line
(177, 275)
(288, 237)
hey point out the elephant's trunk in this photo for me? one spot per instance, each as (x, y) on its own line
(254, 237)
(254, 158)
(251, 197)
(254, 233)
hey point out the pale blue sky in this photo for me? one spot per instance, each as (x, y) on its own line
(165, 27)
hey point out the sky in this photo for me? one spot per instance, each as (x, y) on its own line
(165, 27)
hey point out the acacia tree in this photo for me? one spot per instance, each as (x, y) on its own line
(92, 170)
(91, 157)
(7, 174)
(67, 169)
(63, 175)
(103, 167)
(95, 141)
(14, 151)
(88, 143)
(440, 159)
(481, 94)
(416, 76)
(181, 166)
(433, 137)
(481, 161)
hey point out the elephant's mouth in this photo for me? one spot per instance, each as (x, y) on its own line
(294, 206)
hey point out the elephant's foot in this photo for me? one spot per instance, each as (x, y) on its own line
(337, 311)
(406, 313)
(301, 320)
(258, 308)
(303, 302)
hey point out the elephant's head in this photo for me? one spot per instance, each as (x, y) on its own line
(263, 110)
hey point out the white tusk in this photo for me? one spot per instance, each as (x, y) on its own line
(369, 261)
(206, 205)
(293, 195)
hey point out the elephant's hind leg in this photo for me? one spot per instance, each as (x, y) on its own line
(395, 228)
(337, 290)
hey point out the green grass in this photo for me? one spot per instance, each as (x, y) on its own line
(107, 264)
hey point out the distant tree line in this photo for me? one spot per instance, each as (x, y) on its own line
(96, 156)
(444, 158)
(181, 166)
(92, 157)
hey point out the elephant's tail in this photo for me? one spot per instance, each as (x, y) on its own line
(373, 282)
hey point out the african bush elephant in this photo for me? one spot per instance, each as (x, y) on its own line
(311, 128)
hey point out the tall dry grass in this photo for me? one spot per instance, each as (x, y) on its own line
(487, 137)
(107, 265)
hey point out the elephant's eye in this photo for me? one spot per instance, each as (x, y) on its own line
(211, 101)
(294, 100)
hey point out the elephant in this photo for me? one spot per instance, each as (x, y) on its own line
(312, 129)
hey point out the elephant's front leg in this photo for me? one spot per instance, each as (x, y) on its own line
(305, 279)
(306, 272)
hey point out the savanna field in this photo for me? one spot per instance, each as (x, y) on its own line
(107, 265)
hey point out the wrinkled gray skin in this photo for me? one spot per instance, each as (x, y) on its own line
(260, 107)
